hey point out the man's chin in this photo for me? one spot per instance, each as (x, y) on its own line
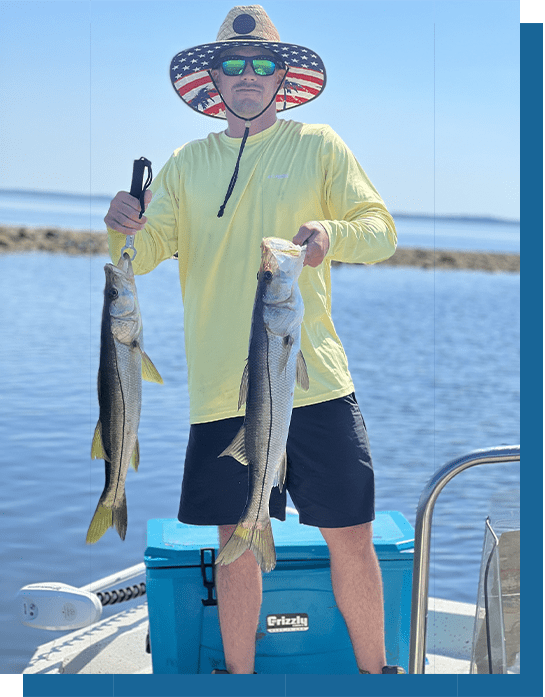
(247, 107)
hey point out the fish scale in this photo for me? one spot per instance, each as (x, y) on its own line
(123, 363)
(275, 363)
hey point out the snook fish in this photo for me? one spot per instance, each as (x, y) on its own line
(275, 363)
(123, 363)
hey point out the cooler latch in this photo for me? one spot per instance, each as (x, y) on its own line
(207, 571)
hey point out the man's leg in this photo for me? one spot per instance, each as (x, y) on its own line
(238, 587)
(357, 584)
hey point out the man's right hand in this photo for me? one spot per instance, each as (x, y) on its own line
(124, 211)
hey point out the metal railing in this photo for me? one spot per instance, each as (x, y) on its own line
(422, 537)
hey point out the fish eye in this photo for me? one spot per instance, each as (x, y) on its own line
(268, 275)
(113, 293)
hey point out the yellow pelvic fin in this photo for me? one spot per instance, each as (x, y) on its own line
(135, 457)
(97, 448)
(149, 371)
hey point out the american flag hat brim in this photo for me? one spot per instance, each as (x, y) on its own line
(246, 26)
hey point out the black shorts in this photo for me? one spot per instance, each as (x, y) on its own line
(330, 475)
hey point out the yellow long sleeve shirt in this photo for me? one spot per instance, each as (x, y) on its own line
(290, 174)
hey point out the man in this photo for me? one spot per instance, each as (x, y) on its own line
(213, 202)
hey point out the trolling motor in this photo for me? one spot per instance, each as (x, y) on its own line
(60, 607)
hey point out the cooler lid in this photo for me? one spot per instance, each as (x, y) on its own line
(392, 535)
(171, 543)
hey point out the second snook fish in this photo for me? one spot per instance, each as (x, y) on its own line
(275, 363)
(123, 363)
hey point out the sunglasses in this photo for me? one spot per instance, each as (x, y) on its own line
(261, 65)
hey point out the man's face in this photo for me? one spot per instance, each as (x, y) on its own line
(247, 94)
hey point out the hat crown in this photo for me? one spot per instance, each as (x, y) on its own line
(247, 22)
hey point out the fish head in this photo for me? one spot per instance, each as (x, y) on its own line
(121, 300)
(281, 266)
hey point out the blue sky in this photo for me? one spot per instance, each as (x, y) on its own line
(425, 93)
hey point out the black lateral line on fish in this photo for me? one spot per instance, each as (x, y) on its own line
(270, 427)
(123, 429)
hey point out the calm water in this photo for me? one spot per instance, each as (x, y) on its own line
(81, 212)
(435, 359)
(426, 351)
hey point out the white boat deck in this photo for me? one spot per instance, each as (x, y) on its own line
(117, 644)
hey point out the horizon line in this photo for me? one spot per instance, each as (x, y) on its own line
(483, 217)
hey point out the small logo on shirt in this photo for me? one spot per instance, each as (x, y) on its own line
(278, 176)
(158, 194)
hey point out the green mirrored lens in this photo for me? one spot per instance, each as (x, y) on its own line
(263, 67)
(234, 66)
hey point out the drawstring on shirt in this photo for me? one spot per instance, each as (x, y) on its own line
(247, 123)
(235, 173)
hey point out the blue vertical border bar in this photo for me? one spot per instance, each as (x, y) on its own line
(531, 279)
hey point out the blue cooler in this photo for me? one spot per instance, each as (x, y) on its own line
(300, 628)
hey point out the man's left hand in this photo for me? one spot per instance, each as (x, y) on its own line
(315, 236)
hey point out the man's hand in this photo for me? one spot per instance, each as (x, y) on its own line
(316, 238)
(124, 211)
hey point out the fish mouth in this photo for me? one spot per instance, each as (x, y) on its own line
(275, 249)
(122, 270)
(282, 261)
(124, 263)
(277, 244)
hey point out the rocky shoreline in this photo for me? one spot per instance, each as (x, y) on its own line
(17, 239)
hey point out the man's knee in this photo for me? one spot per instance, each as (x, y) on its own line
(357, 539)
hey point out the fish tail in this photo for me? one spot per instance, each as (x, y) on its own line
(106, 517)
(102, 520)
(260, 541)
(120, 517)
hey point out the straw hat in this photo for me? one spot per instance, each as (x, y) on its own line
(246, 26)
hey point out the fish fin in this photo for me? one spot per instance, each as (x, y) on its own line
(286, 346)
(243, 392)
(135, 457)
(149, 371)
(97, 447)
(101, 521)
(237, 449)
(301, 374)
(280, 477)
(106, 517)
(261, 543)
(120, 517)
